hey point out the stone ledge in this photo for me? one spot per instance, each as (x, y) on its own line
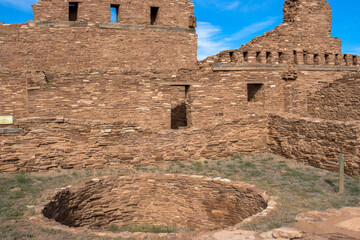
(248, 67)
(272, 67)
(11, 130)
(120, 26)
(170, 29)
(58, 24)
(111, 26)
(327, 68)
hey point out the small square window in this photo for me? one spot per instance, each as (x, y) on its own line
(327, 59)
(153, 15)
(246, 56)
(258, 57)
(355, 61)
(73, 11)
(255, 92)
(114, 10)
(316, 59)
(231, 55)
(281, 57)
(268, 57)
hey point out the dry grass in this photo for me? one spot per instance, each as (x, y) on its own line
(298, 188)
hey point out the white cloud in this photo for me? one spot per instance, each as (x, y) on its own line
(24, 5)
(211, 39)
(251, 29)
(231, 5)
(351, 49)
(239, 5)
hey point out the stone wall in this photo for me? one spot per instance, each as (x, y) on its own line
(304, 38)
(13, 94)
(48, 143)
(316, 142)
(177, 201)
(339, 100)
(174, 13)
(70, 48)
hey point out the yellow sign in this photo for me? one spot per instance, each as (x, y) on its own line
(6, 119)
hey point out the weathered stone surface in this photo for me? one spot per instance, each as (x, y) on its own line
(337, 101)
(316, 142)
(233, 235)
(330, 224)
(287, 233)
(189, 202)
(132, 93)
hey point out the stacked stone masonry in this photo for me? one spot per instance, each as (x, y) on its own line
(186, 202)
(88, 92)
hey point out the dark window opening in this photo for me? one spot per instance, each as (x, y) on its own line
(345, 59)
(246, 56)
(281, 57)
(268, 57)
(231, 54)
(336, 59)
(73, 11)
(153, 15)
(255, 92)
(316, 59)
(114, 10)
(179, 106)
(327, 59)
(295, 57)
(258, 56)
(305, 56)
(355, 60)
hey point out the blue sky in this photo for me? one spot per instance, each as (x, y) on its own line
(228, 24)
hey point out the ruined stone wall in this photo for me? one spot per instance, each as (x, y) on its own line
(337, 101)
(181, 201)
(316, 142)
(68, 48)
(175, 13)
(48, 143)
(13, 94)
(303, 39)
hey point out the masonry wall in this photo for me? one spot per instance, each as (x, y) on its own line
(304, 38)
(337, 101)
(65, 143)
(13, 94)
(316, 142)
(174, 13)
(67, 48)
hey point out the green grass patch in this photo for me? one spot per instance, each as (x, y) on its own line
(298, 189)
(143, 228)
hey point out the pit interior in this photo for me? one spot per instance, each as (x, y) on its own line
(184, 202)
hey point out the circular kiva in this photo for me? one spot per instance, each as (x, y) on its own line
(181, 201)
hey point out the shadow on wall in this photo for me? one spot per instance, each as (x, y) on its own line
(179, 116)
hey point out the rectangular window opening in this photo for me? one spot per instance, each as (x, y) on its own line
(231, 54)
(295, 57)
(305, 57)
(281, 57)
(327, 59)
(345, 59)
(153, 15)
(355, 60)
(114, 10)
(255, 92)
(316, 59)
(258, 57)
(179, 106)
(246, 56)
(336, 59)
(73, 11)
(268, 57)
